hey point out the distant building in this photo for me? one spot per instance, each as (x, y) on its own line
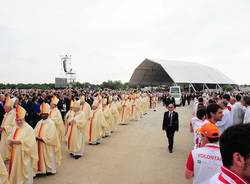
(186, 74)
(61, 82)
(244, 89)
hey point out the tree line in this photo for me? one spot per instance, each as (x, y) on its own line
(107, 84)
(115, 85)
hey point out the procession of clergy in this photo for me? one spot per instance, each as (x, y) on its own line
(27, 152)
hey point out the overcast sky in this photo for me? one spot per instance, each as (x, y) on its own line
(109, 38)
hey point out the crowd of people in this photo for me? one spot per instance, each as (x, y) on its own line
(221, 132)
(36, 124)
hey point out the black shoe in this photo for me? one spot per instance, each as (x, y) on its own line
(170, 151)
(92, 144)
(123, 124)
(50, 174)
(77, 157)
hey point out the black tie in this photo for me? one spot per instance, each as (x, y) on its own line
(171, 117)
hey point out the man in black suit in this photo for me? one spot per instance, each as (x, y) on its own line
(170, 100)
(189, 98)
(164, 99)
(26, 103)
(183, 99)
(170, 125)
(2, 111)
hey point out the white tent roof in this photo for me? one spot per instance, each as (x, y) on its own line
(188, 72)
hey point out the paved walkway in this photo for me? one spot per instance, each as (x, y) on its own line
(135, 154)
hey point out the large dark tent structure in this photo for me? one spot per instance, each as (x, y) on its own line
(187, 74)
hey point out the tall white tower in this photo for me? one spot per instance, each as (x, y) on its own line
(68, 70)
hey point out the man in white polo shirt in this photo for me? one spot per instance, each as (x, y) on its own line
(246, 102)
(226, 120)
(197, 122)
(205, 162)
(235, 152)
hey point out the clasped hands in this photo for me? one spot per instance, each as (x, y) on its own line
(72, 122)
(12, 142)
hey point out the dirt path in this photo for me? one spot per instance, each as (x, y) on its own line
(135, 154)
